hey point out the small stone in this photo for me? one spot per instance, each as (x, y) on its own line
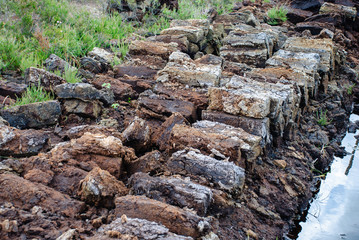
(280, 163)
(109, 122)
(326, 33)
(9, 226)
(251, 48)
(100, 188)
(3, 122)
(68, 235)
(151, 105)
(323, 47)
(210, 236)
(54, 63)
(121, 90)
(101, 55)
(137, 134)
(93, 66)
(91, 109)
(252, 234)
(35, 76)
(15, 187)
(193, 34)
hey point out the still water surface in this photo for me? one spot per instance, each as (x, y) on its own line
(334, 213)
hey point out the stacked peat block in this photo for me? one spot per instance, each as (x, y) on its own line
(252, 46)
(323, 47)
(199, 34)
(274, 102)
(314, 57)
(261, 106)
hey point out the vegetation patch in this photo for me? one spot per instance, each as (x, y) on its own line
(31, 30)
(277, 15)
(70, 74)
(322, 118)
(33, 94)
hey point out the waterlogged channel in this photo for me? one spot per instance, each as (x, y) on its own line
(334, 213)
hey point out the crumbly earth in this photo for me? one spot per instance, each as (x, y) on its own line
(215, 129)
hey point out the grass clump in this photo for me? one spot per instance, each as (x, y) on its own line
(322, 118)
(198, 9)
(70, 75)
(277, 15)
(33, 94)
(9, 52)
(31, 60)
(350, 89)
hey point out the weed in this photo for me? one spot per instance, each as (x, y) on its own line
(266, 1)
(350, 89)
(9, 53)
(28, 60)
(106, 85)
(43, 41)
(70, 75)
(120, 53)
(115, 106)
(277, 15)
(33, 94)
(198, 8)
(116, 61)
(129, 100)
(321, 174)
(322, 118)
(155, 25)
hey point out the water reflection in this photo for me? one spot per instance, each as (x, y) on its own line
(334, 213)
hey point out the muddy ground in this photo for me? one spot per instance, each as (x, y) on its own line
(207, 131)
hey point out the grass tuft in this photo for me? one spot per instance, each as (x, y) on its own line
(350, 89)
(322, 118)
(33, 94)
(71, 75)
(277, 15)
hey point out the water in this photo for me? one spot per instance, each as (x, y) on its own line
(334, 213)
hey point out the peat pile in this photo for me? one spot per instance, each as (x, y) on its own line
(213, 129)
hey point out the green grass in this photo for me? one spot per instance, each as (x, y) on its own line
(33, 94)
(199, 8)
(58, 29)
(31, 30)
(350, 89)
(9, 52)
(277, 15)
(70, 75)
(322, 118)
